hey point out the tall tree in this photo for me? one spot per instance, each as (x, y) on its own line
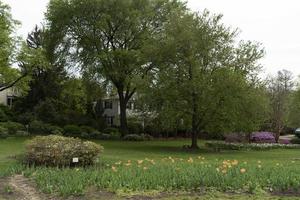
(207, 80)
(280, 87)
(48, 68)
(9, 76)
(113, 37)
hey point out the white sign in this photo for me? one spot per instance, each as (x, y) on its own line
(75, 160)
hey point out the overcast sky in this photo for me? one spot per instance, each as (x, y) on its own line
(274, 23)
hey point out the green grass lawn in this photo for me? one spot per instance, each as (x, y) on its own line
(163, 166)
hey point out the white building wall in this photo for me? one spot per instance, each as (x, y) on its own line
(115, 111)
(6, 93)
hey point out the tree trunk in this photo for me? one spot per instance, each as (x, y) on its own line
(194, 140)
(194, 124)
(123, 116)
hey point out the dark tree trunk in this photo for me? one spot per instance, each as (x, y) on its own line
(194, 123)
(123, 117)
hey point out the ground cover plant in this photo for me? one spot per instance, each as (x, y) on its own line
(163, 166)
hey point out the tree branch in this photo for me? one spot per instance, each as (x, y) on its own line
(9, 85)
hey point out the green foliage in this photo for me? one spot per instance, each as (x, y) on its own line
(147, 137)
(72, 130)
(3, 132)
(25, 118)
(135, 128)
(123, 59)
(279, 88)
(87, 129)
(5, 114)
(48, 111)
(293, 109)
(295, 140)
(12, 127)
(22, 133)
(59, 151)
(208, 83)
(112, 131)
(105, 136)
(39, 127)
(135, 137)
(9, 76)
(73, 95)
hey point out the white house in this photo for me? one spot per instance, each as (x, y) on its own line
(7, 96)
(111, 106)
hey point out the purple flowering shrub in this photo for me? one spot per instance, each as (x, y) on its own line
(262, 137)
(284, 141)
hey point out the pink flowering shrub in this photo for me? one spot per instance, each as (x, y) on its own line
(262, 137)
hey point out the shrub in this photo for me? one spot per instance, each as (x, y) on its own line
(295, 141)
(147, 137)
(95, 134)
(236, 138)
(72, 130)
(135, 128)
(59, 151)
(104, 136)
(3, 132)
(133, 137)
(87, 129)
(22, 133)
(88, 132)
(3, 116)
(13, 127)
(39, 127)
(112, 131)
(262, 137)
(25, 118)
(5, 113)
(284, 141)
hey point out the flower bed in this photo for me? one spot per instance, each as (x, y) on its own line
(220, 145)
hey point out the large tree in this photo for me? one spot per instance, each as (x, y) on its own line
(114, 37)
(9, 76)
(280, 88)
(41, 54)
(207, 80)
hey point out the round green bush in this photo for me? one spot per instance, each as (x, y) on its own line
(13, 127)
(135, 128)
(133, 137)
(3, 116)
(147, 137)
(22, 133)
(39, 127)
(87, 129)
(60, 151)
(3, 132)
(112, 131)
(72, 130)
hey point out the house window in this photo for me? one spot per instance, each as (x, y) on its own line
(9, 101)
(129, 105)
(108, 104)
(109, 121)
